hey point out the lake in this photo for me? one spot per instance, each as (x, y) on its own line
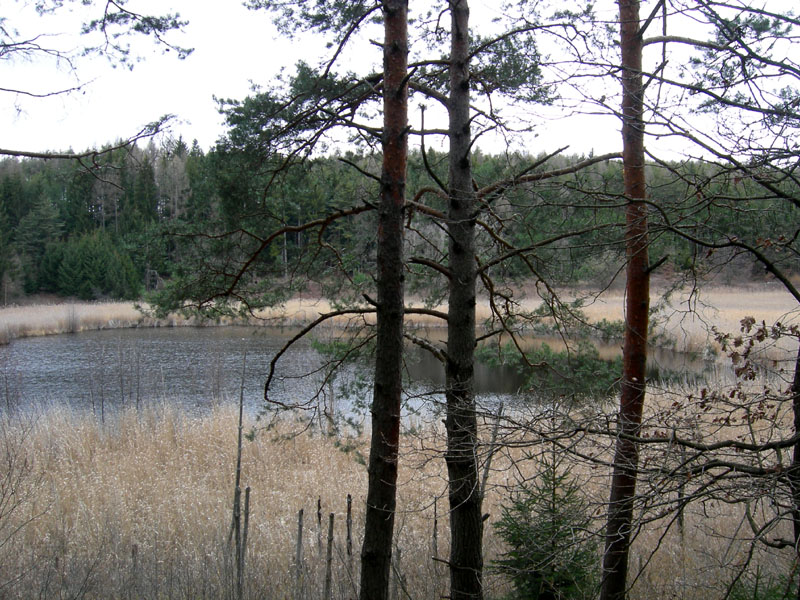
(198, 367)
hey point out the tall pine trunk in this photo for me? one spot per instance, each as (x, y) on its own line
(466, 527)
(637, 306)
(376, 552)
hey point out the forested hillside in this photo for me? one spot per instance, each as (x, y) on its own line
(129, 223)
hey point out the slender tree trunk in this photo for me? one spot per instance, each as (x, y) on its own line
(794, 471)
(376, 552)
(637, 305)
(466, 527)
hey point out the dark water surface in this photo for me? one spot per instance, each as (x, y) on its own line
(195, 367)
(192, 366)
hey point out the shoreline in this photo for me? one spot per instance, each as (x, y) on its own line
(686, 319)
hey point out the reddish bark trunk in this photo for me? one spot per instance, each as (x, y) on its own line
(376, 552)
(637, 306)
(466, 526)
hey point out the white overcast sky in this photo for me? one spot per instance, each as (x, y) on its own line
(233, 47)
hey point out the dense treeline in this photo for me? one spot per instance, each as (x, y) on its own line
(120, 228)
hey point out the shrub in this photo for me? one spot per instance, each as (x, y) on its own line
(760, 585)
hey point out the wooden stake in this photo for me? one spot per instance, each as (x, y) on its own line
(242, 547)
(435, 541)
(350, 531)
(329, 560)
(298, 558)
(319, 525)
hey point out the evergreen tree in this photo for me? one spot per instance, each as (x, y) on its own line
(92, 266)
(6, 249)
(38, 228)
(200, 204)
(96, 262)
(78, 210)
(551, 554)
(48, 275)
(145, 192)
(13, 195)
(72, 273)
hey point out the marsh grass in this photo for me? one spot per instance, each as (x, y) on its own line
(684, 318)
(24, 321)
(50, 319)
(139, 507)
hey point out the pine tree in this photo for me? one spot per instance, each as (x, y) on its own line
(6, 250)
(13, 197)
(48, 277)
(71, 280)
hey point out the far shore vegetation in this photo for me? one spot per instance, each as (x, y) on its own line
(678, 325)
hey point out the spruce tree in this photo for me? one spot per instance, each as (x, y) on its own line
(71, 280)
(551, 554)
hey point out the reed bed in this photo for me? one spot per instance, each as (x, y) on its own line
(74, 317)
(139, 506)
(48, 319)
(685, 318)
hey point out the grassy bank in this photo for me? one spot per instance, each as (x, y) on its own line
(140, 508)
(73, 317)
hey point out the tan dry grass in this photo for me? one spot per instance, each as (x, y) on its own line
(50, 319)
(145, 498)
(140, 507)
(687, 318)
(22, 321)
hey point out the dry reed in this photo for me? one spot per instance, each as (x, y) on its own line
(142, 502)
(685, 317)
(139, 506)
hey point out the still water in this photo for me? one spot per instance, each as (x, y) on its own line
(197, 367)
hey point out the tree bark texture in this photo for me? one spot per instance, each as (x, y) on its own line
(376, 552)
(466, 526)
(637, 306)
